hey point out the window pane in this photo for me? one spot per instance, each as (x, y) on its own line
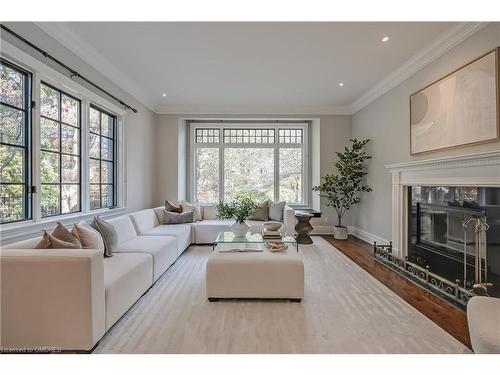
(95, 116)
(249, 171)
(11, 202)
(50, 102)
(291, 175)
(70, 169)
(94, 145)
(70, 110)
(11, 125)
(106, 149)
(50, 200)
(70, 140)
(49, 134)
(106, 172)
(11, 86)
(95, 170)
(11, 164)
(49, 171)
(207, 175)
(107, 195)
(70, 198)
(95, 197)
(107, 126)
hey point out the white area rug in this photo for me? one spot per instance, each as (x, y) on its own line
(345, 310)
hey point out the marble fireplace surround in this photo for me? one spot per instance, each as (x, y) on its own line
(481, 170)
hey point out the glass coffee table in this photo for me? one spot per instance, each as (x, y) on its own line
(228, 237)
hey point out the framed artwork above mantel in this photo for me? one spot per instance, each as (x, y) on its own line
(460, 109)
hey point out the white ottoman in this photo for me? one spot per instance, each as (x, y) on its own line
(255, 275)
(483, 316)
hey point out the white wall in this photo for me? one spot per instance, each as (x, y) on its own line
(140, 126)
(334, 133)
(386, 123)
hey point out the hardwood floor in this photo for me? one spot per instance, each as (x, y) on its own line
(451, 319)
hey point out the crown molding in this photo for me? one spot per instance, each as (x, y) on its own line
(425, 56)
(69, 39)
(488, 158)
(257, 110)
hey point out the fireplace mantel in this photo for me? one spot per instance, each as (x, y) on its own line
(482, 170)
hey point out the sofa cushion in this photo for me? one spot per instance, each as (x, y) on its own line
(183, 233)
(162, 248)
(126, 278)
(144, 220)
(209, 212)
(206, 231)
(124, 228)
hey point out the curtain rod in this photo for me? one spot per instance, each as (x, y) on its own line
(73, 72)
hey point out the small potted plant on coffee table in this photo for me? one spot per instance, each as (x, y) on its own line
(342, 190)
(240, 209)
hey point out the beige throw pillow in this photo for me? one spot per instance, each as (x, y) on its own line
(173, 207)
(61, 238)
(187, 207)
(261, 213)
(88, 236)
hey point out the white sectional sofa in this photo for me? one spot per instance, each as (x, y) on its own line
(68, 298)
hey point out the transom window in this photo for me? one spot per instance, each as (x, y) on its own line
(264, 160)
(60, 163)
(15, 158)
(102, 158)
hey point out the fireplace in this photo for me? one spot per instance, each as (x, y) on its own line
(439, 240)
(431, 201)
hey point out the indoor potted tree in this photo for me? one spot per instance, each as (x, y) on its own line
(240, 209)
(342, 190)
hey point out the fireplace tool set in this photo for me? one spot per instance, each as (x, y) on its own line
(480, 284)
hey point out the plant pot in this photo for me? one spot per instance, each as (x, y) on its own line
(340, 233)
(240, 229)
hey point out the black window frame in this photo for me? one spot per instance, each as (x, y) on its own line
(113, 184)
(27, 144)
(60, 153)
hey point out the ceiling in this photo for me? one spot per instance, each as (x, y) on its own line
(247, 67)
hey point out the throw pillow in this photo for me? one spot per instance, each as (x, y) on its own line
(261, 213)
(187, 207)
(50, 242)
(109, 235)
(172, 207)
(88, 236)
(276, 211)
(63, 234)
(175, 218)
(209, 213)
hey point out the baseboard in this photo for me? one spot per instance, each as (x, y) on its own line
(356, 232)
(366, 236)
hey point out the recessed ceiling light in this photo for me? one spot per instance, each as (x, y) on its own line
(164, 95)
(385, 39)
(341, 84)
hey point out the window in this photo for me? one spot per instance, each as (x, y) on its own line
(15, 137)
(102, 135)
(15, 132)
(264, 160)
(61, 175)
(60, 152)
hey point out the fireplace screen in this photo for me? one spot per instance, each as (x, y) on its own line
(456, 232)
